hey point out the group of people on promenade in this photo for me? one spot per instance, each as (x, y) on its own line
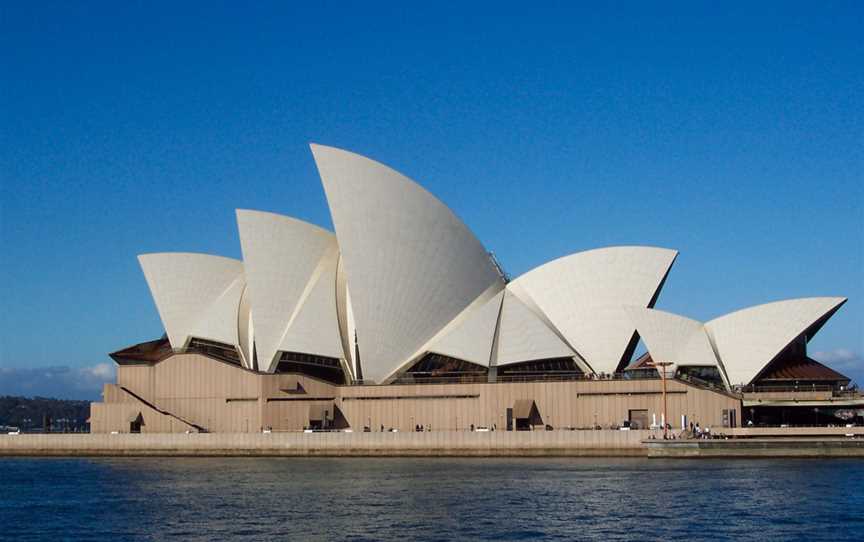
(699, 432)
(695, 431)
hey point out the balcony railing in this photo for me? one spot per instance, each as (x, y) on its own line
(561, 376)
(455, 379)
(786, 388)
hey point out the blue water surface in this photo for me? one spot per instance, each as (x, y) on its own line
(430, 499)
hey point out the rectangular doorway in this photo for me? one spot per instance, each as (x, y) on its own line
(639, 419)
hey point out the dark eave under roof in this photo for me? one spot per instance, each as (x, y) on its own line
(800, 368)
(146, 352)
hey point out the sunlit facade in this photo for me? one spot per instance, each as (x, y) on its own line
(402, 316)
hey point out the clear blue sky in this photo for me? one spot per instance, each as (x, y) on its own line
(733, 133)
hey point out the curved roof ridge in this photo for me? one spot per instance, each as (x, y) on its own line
(470, 335)
(665, 312)
(674, 338)
(186, 286)
(415, 184)
(523, 336)
(748, 339)
(412, 265)
(314, 326)
(280, 255)
(592, 250)
(276, 215)
(583, 295)
(185, 253)
(837, 299)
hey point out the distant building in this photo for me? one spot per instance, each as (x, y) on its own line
(402, 319)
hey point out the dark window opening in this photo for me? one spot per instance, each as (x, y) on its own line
(320, 367)
(438, 367)
(221, 351)
(526, 414)
(135, 423)
(326, 417)
(801, 416)
(704, 376)
(541, 369)
(638, 419)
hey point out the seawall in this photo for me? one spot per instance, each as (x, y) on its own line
(758, 447)
(443, 443)
(605, 443)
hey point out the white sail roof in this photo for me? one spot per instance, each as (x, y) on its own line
(219, 321)
(523, 336)
(471, 338)
(672, 338)
(196, 295)
(412, 266)
(746, 341)
(345, 318)
(407, 277)
(281, 256)
(246, 332)
(584, 296)
(315, 328)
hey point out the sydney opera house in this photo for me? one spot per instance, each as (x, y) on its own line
(401, 319)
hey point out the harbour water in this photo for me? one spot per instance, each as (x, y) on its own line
(430, 499)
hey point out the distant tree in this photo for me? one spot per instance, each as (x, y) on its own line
(27, 413)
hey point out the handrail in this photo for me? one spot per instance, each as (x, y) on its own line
(529, 377)
(839, 425)
(468, 379)
(768, 388)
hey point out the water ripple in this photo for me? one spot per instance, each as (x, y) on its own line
(429, 499)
